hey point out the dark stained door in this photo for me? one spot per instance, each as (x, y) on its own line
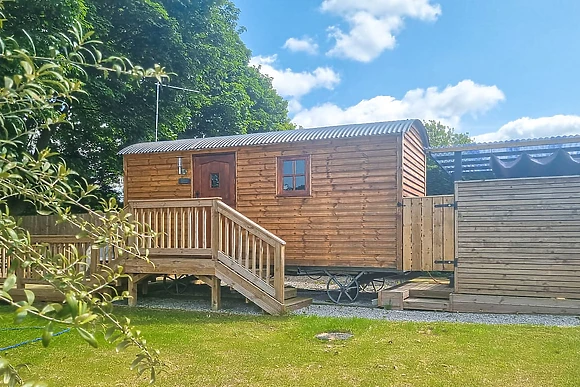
(215, 176)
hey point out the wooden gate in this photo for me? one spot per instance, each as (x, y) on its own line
(428, 233)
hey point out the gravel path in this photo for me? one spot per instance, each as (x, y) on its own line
(239, 307)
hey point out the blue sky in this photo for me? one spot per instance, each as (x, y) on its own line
(498, 69)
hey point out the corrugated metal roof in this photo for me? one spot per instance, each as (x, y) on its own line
(509, 143)
(287, 136)
(476, 158)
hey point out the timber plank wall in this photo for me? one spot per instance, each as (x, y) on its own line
(519, 237)
(414, 165)
(351, 218)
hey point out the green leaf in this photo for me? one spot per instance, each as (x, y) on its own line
(122, 345)
(29, 296)
(9, 282)
(88, 337)
(47, 335)
(5, 295)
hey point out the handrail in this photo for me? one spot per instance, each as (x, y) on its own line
(185, 225)
(249, 247)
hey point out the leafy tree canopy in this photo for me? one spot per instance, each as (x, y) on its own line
(197, 40)
(438, 181)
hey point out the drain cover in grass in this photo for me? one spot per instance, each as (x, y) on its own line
(328, 336)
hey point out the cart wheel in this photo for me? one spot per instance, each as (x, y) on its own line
(175, 284)
(343, 288)
(375, 286)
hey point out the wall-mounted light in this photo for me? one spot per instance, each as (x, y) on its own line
(180, 169)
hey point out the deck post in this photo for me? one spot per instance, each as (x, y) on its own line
(20, 284)
(458, 166)
(215, 227)
(132, 290)
(279, 272)
(216, 293)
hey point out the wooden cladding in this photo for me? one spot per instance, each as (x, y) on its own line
(519, 237)
(428, 233)
(350, 217)
(414, 165)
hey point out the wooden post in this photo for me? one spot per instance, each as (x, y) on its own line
(145, 287)
(215, 228)
(20, 284)
(458, 167)
(132, 289)
(279, 252)
(216, 293)
(95, 260)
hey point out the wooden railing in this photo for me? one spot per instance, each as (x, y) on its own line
(249, 249)
(64, 245)
(208, 227)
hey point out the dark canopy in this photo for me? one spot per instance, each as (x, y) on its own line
(559, 163)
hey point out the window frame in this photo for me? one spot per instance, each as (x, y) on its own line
(280, 176)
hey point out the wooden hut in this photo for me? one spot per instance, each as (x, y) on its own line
(334, 194)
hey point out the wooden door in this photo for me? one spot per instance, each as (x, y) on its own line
(215, 176)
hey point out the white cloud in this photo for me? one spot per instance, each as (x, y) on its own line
(305, 44)
(293, 84)
(448, 106)
(373, 24)
(526, 127)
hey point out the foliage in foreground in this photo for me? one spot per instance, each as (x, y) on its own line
(218, 350)
(35, 91)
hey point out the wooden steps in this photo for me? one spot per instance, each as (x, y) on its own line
(421, 294)
(432, 304)
(243, 284)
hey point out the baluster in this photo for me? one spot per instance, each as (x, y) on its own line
(234, 244)
(204, 213)
(240, 245)
(227, 238)
(149, 240)
(176, 229)
(247, 254)
(189, 229)
(196, 211)
(254, 254)
(221, 232)
(183, 229)
(268, 264)
(260, 259)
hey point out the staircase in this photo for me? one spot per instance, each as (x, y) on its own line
(246, 256)
(420, 294)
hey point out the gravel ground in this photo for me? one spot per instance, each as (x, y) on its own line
(232, 303)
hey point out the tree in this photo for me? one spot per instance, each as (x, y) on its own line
(36, 90)
(438, 181)
(197, 40)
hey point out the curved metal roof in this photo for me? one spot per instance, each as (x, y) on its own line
(286, 136)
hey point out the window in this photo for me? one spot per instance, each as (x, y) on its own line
(294, 176)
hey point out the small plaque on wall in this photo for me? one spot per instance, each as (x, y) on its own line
(184, 180)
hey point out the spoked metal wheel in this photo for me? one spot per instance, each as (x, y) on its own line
(175, 284)
(343, 288)
(375, 285)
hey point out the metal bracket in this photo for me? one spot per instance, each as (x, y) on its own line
(454, 205)
(448, 262)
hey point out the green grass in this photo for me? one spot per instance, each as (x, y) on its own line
(203, 349)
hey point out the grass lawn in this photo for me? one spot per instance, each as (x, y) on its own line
(203, 349)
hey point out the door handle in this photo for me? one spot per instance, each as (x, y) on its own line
(196, 194)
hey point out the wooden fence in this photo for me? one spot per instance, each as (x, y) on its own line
(519, 237)
(428, 233)
(46, 225)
